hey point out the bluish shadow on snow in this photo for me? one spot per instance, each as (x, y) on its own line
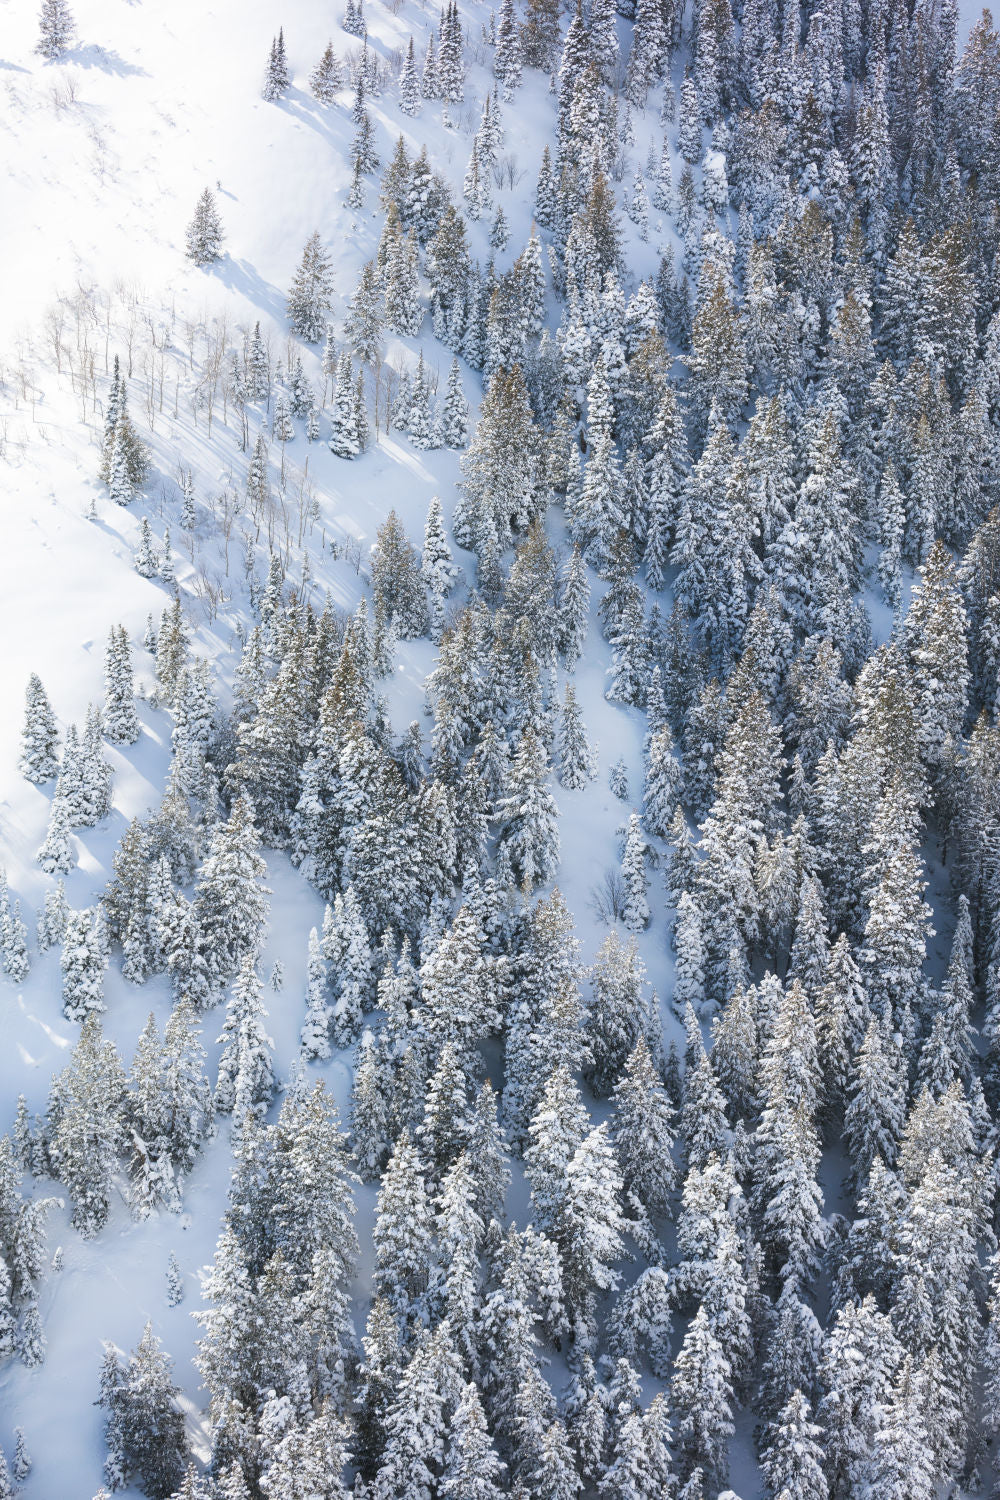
(327, 120)
(105, 58)
(242, 277)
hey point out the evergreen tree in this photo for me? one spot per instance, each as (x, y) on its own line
(636, 905)
(22, 1458)
(577, 762)
(316, 1026)
(529, 837)
(403, 1230)
(437, 566)
(409, 84)
(175, 1284)
(344, 437)
(701, 1398)
(120, 720)
(363, 328)
(642, 1131)
(507, 57)
(38, 761)
(246, 1079)
(56, 28)
(311, 292)
(83, 963)
(792, 1460)
(146, 564)
(397, 583)
(620, 1013)
(144, 1424)
(230, 905)
(277, 78)
(472, 1470)
(204, 233)
(326, 79)
(84, 1126)
(455, 416)
(56, 854)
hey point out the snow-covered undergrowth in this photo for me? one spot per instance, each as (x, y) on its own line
(652, 736)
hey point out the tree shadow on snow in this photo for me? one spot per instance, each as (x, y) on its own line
(241, 276)
(106, 59)
(11, 67)
(327, 120)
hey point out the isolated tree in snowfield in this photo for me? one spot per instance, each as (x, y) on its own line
(22, 1458)
(316, 1026)
(56, 28)
(38, 761)
(636, 908)
(326, 79)
(119, 718)
(204, 233)
(577, 762)
(311, 292)
(343, 421)
(277, 78)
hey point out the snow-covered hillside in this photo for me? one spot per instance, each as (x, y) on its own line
(105, 154)
(742, 432)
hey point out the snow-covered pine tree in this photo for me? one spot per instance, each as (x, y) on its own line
(316, 1026)
(326, 79)
(635, 909)
(311, 292)
(529, 835)
(83, 964)
(119, 718)
(38, 761)
(22, 1458)
(577, 762)
(409, 84)
(56, 855)
(277, 78)
(344, 440)
(55, 29)
(245, 1082)
(84, 1125)
(146, 562)
(204, 233)
(455, 415)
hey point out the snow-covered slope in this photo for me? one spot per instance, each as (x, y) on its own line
(105, 153)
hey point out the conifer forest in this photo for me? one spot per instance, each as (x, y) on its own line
(499, 750)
